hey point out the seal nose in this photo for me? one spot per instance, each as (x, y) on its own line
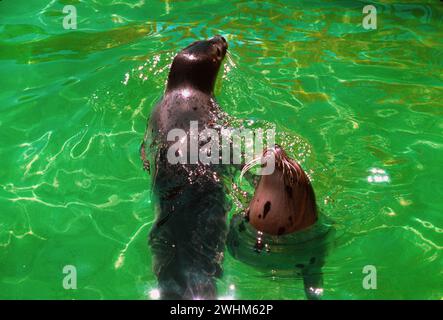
(276, 149)
(220, 39)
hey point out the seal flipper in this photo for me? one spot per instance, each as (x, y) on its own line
(179, 282)
(313, 276)
(313, 283)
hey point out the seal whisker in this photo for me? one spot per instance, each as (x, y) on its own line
(230, 59)
(249, 165)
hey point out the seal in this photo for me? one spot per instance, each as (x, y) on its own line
(284, 201)
(281, 228)
(188, 236)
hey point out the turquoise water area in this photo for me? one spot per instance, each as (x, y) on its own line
(366, 105)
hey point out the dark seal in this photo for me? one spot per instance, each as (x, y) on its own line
(188, 237)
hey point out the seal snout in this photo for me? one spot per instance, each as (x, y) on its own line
(220, 39)
(221, 44)
(278, 153)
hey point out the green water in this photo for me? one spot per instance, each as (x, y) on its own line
(74, 104)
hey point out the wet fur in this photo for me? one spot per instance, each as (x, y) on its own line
(189, 233)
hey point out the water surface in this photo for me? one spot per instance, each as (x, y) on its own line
(367, 105)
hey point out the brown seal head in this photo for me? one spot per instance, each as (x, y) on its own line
(284, 201)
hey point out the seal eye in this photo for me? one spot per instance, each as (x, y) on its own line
(219, 52)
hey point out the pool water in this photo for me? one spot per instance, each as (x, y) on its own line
(367, 105)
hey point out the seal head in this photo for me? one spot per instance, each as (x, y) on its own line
(197, 65)
(284, 201)
(281, 231)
